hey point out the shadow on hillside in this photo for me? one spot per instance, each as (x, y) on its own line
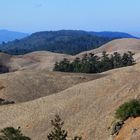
(4, 69)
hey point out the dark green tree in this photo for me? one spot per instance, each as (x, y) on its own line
(63, 66)
(105, 63)
(93, 61)
(58, 133)
(76, 65)
(56, 67)
(85, 65)
(127, 59)
(117, 60)
(10, 133)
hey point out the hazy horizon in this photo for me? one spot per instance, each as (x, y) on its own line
(51, 15)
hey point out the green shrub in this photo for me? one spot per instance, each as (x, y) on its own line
(5, 102)
(128, 109)
(10, 133)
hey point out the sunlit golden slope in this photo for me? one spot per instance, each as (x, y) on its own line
(87, 103)
(22, 86)
(87, 108)
(119, 45)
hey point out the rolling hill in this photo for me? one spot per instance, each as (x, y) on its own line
(33, 61)
(117, 45)
(87, 108)
(86, 102)
(44, 60)
(69, 42)
(6, 36)
(113, 34)
(23, 86)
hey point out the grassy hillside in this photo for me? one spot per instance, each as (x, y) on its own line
(86, 108)
(87, 103)
(22, 86)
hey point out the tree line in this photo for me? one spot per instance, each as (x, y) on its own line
(91, 63)
(64, 41)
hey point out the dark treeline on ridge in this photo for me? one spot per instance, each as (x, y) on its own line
(91, 63)
(64, 41)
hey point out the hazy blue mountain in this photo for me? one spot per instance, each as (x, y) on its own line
(113, 34)
(6, 35)
(63, 41)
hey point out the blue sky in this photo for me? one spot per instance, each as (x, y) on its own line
(93, 15)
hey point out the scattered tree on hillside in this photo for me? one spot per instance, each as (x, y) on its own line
(58, 133)
(10, 133)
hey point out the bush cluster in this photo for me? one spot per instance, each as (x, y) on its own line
(128, 109)
(10, 133)
(5, 102)
(91, 63)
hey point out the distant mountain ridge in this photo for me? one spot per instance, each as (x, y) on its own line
(6, 35)
(113, 34)
(63, 41)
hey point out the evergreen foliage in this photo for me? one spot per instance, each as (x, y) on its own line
(10, 133)
(91, 63)
(64, 41)
(58, 133)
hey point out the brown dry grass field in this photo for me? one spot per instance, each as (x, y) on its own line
(86, 102)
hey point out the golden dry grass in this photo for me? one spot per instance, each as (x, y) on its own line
(86, 103)
(119, 45)
(87, 108)
(22, 86)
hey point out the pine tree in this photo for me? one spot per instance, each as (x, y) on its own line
(93, 61)
(127, 59)
(117, 60)
(85, 65)
(106, 63)
(58, 133)
(76, 64)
